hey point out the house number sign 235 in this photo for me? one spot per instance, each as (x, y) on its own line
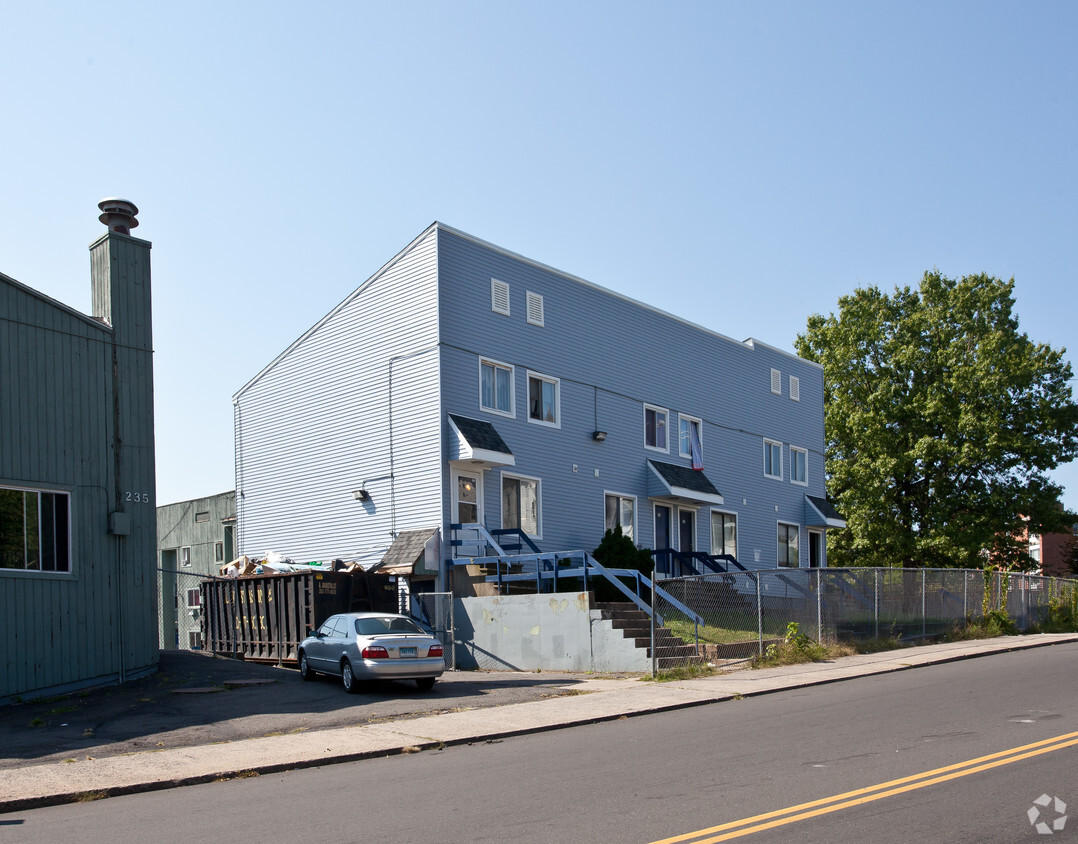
(137, 497)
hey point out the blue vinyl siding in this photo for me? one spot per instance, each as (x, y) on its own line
(614, 355)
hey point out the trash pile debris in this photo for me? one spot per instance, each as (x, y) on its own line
(276, 563)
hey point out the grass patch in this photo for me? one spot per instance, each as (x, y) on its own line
(685, 672)
(797, 648)
(712, 634)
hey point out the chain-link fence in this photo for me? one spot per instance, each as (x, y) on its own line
(436, 609)
(736, 615)
(179, 610)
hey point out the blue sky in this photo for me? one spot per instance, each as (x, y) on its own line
(739, 164)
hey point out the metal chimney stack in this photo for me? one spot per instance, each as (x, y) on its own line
(118, 214)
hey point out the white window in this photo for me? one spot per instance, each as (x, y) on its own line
(773, 459)
(776, 382)
(690, 435)
(194, 640)
(798, 466)
(655, 427)
(521, 505)
(544, 399)
(194, 597)
(35, 530)
(789, 540)
(621, 512)
(185, 555)
(723, 533)
(496, 387)
(795, 388)
(499, 297)
(534, 309)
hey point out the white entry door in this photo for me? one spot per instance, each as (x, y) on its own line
(467, 509)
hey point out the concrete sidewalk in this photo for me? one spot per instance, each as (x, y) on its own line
(586, 702)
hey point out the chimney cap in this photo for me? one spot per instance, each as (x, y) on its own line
(118, 214)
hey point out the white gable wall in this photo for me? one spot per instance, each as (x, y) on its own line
(355, 399)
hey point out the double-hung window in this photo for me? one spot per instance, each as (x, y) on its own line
(35, 532)
(621, 512)
(520, 505)
(690, 442)
(655, 419)
(544, 398)
(798, 466)
(773, 459)
(496, 387)
(788, 545)
(724, 533)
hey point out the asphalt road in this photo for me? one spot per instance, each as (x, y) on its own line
(677, 775)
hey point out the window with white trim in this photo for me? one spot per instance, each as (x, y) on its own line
(35, 530)
(496, 387)
(776, 382)
(789, 543)
(655, 419)
(798, 465)
(194, 597)
(185, 555)
(499, 297)
(544, 399)
(773, 459)
(795, 388)
(688, 430)
(533, 308)
(621, 512)
(521, 504)
(723, 533)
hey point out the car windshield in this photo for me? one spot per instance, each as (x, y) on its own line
(385, 624)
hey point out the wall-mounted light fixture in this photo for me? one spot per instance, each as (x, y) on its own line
(598, 436)
(361, 495)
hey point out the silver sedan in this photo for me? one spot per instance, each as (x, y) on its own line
(358, 646)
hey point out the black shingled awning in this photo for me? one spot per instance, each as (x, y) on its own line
(669, 480)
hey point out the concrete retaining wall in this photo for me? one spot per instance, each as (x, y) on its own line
(557, 632)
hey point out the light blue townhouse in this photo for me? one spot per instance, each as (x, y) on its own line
(465, 384)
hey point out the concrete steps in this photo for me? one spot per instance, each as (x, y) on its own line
(634, 623)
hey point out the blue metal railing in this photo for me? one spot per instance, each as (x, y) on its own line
(547, 568)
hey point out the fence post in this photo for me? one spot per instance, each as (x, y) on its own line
(924, 611)
(654, 655)
(819, 605)
(965, 590)
(876, 600)
(759, 614)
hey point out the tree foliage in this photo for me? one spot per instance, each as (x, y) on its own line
(942, 422)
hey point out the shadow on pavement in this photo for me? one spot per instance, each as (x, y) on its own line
(195, 699)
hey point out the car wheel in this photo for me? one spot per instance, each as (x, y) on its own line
(305, 670)
(348, 677)
(425, 683)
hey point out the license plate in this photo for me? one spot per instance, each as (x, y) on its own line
(407, 652)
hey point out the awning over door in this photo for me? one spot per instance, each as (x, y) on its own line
(412, 552)
(477, 442)
(680, 484)
(820, 513)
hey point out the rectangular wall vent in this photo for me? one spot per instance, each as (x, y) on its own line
(499, 297)
(535, 308)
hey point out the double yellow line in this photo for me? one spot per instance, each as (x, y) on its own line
(804, 811)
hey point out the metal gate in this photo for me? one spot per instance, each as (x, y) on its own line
(436, 609)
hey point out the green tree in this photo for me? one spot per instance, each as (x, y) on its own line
(942, 422)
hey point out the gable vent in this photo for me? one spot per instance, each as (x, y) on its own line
(776, 382)
(499, 297)
(795, 388)
(535, 308)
